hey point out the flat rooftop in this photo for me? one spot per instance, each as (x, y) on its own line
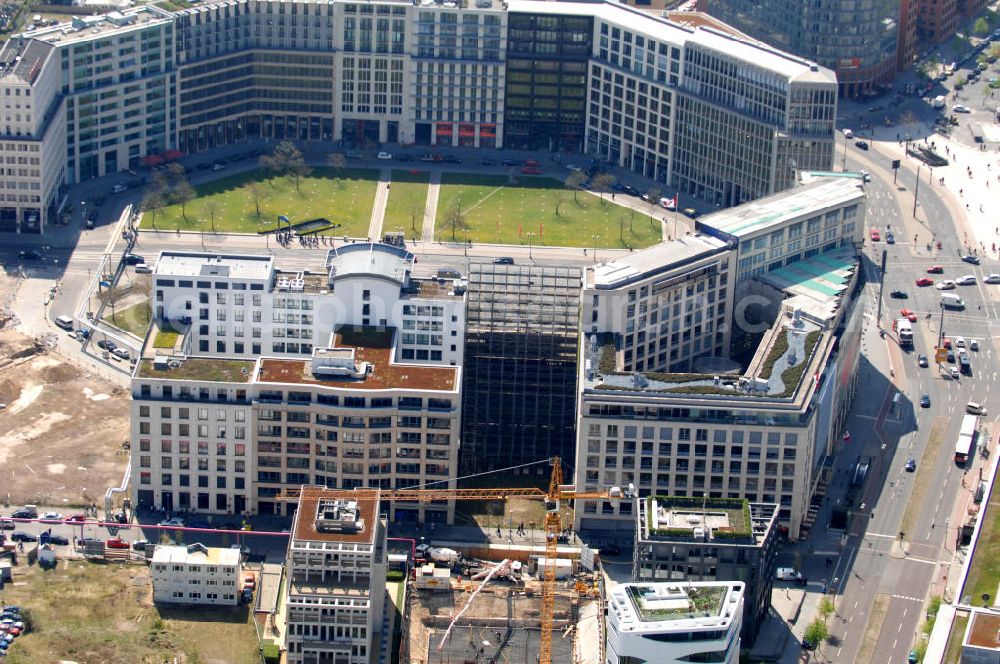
(290, 281)
(674, 607)
(100, 26)
(207, 369)
(666, 518)
(432, 289)
(818, 192)
(984, 630)
(304, 528)
(205, 265)
(658, 259)
(370, 259)
(196, 554)
(665, 31)
(372, 346)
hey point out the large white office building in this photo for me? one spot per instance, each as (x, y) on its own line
(672, 623)
(695, 108)
(350, 378)
(660, 403)
(335, 581)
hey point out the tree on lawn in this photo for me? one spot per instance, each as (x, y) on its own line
(560, 200)
(416, 211)
(212, 210)
(298, 171)
(653, 200)
(337, 161)
(980, 27)
(285, 160)
(111, 297)
(574, 182)
(256, 196)
(152, 202)
(183, 193)
(602, 183)
(454, 220)
(817, 632)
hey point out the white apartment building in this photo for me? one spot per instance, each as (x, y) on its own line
(670, 303)
(671, 623)
(697, 109)
(348, 379)
(195, 574)
(335, 580)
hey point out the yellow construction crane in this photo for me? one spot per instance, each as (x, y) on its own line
(553, 522)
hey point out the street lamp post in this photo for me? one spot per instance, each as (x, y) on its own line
(916, 191)
(531, 238)
(596, 238)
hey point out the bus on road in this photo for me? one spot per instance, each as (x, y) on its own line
(966, 439)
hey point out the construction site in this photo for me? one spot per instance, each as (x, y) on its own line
(477, 611)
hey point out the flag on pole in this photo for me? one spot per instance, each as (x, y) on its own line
(670, 203)
(541, 230)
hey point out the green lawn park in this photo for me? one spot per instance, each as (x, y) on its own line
(502, 212)
(407, 194)
(345, 198)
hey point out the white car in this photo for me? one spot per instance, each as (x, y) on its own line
(121, 352)
(218, 166)
(954, 373)
(865, 175)
(385, 156)
(966, 280)
(119, 188)
(574, 168)
(945, 284)
(992, 279)
(958, 108)
(848, 133)
(172, 523)
(52, 516)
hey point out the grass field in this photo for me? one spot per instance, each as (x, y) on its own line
(134, 319)
(408, 193)
(89, 612)
(494, 209)
(347, 200)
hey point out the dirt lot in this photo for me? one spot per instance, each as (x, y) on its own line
(62, 431)
(96, 613)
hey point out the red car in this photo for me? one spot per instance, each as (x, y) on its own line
(531, 170)
(76, 518)
(935, 269)
(116, 543)
(925, 281)
(909, 315)
(875, 235)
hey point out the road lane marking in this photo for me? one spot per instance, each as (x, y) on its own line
(911, 599)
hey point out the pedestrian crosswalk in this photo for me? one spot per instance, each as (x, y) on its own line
(912, 599)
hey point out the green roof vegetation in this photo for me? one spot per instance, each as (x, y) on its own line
(166, 338)
(984, 571)
(201, 369)
(702, 602)
(791, 376)
(779, 348)
(736, 509)
(365, 336)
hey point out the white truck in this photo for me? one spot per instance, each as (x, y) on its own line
(905, 331)
(437, 554)
(938, 102)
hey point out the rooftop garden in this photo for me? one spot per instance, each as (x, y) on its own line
(736, 509)
(702, 602)
(166, 338)
(365, 336)
(201, 369)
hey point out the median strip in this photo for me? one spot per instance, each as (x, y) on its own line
(915, 505)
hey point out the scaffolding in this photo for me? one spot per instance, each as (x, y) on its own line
(519, 391)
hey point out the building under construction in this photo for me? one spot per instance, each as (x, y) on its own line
(519, 378)
(502, 622)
